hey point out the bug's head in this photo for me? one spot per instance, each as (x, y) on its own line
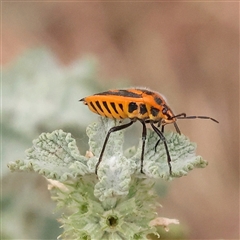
(167, 115)
(171, 118)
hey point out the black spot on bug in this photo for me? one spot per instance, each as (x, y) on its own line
(127, 93)
(154, 111)
(132, 106)
(114, 107)
(158, 100)
(106, 106)
(121, 106)
(124, 93)
(143, 109)
(146, 91)
(99, 106)
(91, 103)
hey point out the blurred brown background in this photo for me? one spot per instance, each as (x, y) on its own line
(187, 51)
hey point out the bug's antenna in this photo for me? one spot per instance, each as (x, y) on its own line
(184, 116)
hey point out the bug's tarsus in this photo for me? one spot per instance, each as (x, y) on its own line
(168, 158)
(113, 129)
(155, 148)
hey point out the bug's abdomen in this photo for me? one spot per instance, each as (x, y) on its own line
(116, 107)
(106, 107)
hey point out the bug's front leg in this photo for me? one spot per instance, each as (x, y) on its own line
(161, 136)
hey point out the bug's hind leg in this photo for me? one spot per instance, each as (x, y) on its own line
(113, 129)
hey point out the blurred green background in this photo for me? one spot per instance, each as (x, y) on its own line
(54, 53)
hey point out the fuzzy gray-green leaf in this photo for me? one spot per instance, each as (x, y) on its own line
(181, 150)
(52, 155)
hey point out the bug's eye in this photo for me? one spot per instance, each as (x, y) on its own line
(164, 111)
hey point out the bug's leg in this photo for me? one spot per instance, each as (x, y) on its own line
(113, 129)
(159, 123)
(160, 134)
(162, 130)
(144, 134)
(177, 128)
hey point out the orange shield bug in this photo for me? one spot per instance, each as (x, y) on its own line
(136, 104)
